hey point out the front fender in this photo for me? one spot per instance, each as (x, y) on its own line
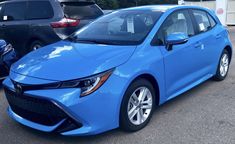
(149, 62)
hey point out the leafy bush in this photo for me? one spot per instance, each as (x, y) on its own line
(115, 4)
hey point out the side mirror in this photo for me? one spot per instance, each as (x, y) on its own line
(175, 39)
(3, 44)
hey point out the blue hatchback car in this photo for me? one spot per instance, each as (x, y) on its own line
(115, 71)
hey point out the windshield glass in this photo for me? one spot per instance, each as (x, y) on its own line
(127, 27)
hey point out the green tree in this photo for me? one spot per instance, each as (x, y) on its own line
(107, 4)
(130, 3)
(116, 4)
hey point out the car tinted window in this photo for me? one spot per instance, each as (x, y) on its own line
(39, 10)
(212, 21)
(202, 20)
(14, 11)
(81, 10)
(179, 21)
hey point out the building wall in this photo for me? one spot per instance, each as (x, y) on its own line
(208, 4)
(228, 18)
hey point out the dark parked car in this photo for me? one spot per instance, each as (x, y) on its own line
(30, 24)
(7, 57)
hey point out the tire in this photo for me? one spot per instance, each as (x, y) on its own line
(132, 124)
(36, 44)
(223, 66)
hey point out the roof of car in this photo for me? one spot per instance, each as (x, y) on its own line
(152, 7)
(162, 8)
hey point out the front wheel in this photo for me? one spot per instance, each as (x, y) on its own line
(223, 66)
(137, 105)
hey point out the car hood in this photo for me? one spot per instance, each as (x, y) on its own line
(66, 60)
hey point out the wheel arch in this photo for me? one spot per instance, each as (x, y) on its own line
(149, 77)
(229, 49)
(154, 83)
(31, 40)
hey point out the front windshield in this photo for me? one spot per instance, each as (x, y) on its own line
(127, 27)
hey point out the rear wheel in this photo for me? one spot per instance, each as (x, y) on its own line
(137, 105)
(36, 45)
(223, 66)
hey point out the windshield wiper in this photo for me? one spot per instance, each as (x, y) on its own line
(96, 41)
(72, 39)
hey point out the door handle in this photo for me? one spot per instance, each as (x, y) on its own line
(218, 36)
(198, 45)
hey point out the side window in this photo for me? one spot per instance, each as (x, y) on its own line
(212, 21)
(179, 21)
(39, 10)
(202, 20)
(14, 11)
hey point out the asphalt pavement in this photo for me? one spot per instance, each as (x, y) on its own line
(203, 115)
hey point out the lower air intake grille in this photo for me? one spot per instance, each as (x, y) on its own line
(34, 109)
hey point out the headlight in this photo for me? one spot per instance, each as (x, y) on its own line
(88, 85)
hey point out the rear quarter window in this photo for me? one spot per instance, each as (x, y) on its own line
(39, 10)
(212, 21)
(80, 10)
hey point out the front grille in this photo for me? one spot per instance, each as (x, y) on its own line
(34, 109)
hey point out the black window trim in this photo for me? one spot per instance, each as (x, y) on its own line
(153, 41)
(10, 2)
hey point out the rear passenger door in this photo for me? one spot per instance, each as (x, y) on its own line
(14, 24)
(208, 40)
(40, 13)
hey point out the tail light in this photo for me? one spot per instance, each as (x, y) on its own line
(65, 22)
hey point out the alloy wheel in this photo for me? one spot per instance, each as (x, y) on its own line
(224, 64)
(140, 105)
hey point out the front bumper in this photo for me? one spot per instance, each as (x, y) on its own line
(91, 115)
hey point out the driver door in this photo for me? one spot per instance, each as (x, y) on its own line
(182, 64)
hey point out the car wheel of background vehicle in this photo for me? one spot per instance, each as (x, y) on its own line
(223, 66)
(137, 106)
(36, 45)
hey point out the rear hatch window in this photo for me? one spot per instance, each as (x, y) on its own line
(81, 10)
